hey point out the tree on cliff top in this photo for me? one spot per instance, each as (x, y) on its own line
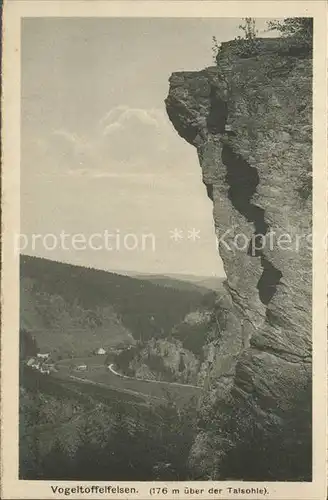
(298, 28)
(246, 43)
(249, 28)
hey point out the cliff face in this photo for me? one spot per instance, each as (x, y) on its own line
(250, 119)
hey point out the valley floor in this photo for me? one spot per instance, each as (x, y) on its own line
(107, 377)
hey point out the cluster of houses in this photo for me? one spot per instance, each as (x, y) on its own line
(42, 363)
(83, 367)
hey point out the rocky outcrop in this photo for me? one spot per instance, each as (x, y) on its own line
(161, 359)
(250, 120)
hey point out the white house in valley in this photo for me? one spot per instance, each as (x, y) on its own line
(81, 368)
(101, 350)
(43, 356)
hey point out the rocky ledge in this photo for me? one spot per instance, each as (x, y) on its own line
(250, 120)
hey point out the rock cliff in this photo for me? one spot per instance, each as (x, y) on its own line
(250, 120)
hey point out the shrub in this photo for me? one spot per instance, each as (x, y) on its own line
(298, 29)
(249, 28)
(216, 47)
(246, 45)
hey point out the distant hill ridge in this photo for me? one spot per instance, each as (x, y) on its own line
(184, 281)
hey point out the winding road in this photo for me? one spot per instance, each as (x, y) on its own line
(111, 369)
(101, 384)
(106, 376)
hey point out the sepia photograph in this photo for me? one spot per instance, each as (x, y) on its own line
(165, 254)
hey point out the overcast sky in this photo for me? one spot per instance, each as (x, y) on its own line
(98, 151)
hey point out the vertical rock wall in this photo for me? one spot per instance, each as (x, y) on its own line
(250, 120)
